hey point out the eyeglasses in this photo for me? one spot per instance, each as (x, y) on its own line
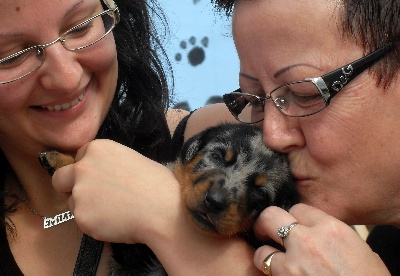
(81, 36)
(300, 98)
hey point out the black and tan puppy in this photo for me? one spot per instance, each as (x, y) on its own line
(229, 177)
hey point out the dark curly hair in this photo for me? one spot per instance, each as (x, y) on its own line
(137, 114)
(371, 23)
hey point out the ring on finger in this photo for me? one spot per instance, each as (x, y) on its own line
(284, 231)
(266, 264)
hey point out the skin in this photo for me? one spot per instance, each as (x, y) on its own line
(26, 128)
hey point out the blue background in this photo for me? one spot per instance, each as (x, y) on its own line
(201, 35)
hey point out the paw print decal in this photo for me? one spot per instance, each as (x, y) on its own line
(195, 54)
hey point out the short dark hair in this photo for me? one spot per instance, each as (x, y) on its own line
(371, 23)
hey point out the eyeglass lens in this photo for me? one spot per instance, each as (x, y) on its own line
(89, 32)
(246, 108)
(83, 35)
(294, 99)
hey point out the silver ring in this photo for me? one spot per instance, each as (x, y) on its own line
(284, 231)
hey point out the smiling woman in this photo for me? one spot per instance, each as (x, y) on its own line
(66, 72)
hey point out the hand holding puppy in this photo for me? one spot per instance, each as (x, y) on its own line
(123, 176)
(318, 237)
(127, 198)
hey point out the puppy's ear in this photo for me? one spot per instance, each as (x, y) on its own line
(190, 148)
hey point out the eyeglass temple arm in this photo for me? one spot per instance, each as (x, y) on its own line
(231, 103)
(111, 5)
(336, 80)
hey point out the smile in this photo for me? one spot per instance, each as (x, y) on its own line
(60, 107)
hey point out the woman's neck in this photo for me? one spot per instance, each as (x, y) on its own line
(33, 185)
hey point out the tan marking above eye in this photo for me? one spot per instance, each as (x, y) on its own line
(261, 180)
(229, 155)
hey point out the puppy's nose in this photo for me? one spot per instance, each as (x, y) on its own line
(215, 201)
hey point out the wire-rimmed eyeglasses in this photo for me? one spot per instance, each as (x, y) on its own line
(22, 63)
(300, 98)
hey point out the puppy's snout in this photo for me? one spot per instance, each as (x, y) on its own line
(216, 201)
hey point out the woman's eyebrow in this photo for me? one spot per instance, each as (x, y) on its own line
(287, 68)
(9, 35)
(73, 7)
(248, 76)
(277, 73)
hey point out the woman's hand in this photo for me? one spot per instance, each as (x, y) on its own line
(318, 245)
(116, 194)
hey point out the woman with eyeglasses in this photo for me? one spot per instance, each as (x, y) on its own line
(71, 72)
(321, 78)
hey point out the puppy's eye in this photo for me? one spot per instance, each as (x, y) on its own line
(259, 192)
(217, 157)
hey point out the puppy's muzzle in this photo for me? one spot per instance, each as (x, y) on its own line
(216, 200)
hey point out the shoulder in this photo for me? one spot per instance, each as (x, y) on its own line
(199, 119)
(184, 125)
(174, 117)
(207, 116)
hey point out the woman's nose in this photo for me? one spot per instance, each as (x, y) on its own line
(61, 69)
(280, 132)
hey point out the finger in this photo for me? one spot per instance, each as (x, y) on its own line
(71, 205)
(270, 220)
(63, 180)
(308, 215)
(262, 253)
(81, 152)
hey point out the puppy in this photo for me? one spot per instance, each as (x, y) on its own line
(227, 176)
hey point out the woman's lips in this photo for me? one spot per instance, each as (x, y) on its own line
(60, 107)
(300, 178)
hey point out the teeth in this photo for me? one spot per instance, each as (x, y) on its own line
(66, 105)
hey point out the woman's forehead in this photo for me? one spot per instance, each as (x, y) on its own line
(282, 36)
(274, 14)
(10, 8)
(23, 15)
